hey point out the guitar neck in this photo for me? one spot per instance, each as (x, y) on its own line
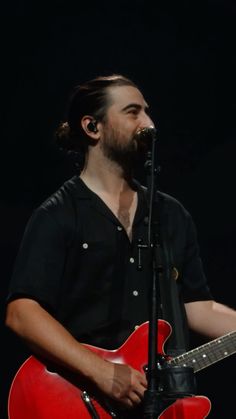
(208, 354)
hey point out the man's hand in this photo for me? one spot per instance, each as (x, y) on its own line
(123, 384)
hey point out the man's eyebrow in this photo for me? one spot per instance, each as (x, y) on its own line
(135, 105)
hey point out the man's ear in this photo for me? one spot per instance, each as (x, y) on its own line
(89, 125)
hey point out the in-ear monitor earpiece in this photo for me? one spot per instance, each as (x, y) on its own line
(92, 126)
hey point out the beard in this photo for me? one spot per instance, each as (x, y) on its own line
(128, 152)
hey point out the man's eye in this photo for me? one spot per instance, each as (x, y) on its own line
(134, 111)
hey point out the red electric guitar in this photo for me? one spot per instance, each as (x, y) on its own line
(37, 392)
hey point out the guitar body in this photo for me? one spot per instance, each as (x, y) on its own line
(40, 393)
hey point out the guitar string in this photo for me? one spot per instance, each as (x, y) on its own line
(198, 357)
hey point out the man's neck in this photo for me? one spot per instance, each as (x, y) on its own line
(104, 176)
(107, 179)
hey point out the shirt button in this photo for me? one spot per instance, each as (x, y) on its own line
(135, 293)
(85, 245)
(131, 260)
(119, 228)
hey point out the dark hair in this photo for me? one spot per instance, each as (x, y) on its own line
(89, 98)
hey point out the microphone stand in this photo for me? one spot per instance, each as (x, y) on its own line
(152, 397)
(166, 383)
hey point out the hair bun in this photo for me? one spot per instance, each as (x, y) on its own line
(64, 136)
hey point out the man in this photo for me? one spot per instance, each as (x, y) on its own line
(76, 278)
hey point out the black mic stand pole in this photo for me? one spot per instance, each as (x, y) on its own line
(166, 383)
(152, 400)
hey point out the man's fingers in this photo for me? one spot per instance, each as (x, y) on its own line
(136, 397)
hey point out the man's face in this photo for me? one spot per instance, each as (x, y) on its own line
(126, 116)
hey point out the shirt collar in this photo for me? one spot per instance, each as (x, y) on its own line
(83, 192)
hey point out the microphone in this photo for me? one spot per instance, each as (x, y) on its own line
(146, 134)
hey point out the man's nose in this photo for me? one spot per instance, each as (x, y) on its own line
(146, 121)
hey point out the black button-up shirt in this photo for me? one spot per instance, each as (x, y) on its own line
(78, 262)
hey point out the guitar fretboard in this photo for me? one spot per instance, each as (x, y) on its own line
(208, 354)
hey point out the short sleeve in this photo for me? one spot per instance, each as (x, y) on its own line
(39, 264)
(194, 282)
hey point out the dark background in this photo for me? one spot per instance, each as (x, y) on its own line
(182, 55)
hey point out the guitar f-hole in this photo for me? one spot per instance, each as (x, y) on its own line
(89, 405)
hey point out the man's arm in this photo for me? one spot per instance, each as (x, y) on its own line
(210, 318)
(48, 338)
